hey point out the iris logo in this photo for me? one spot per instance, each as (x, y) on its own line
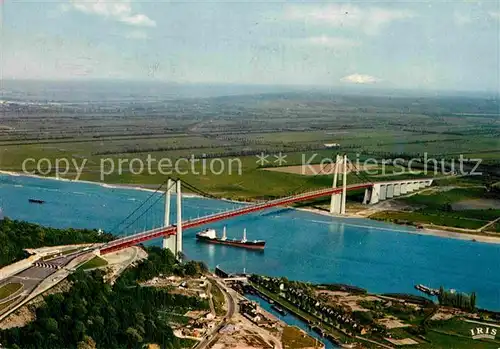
(483, 332)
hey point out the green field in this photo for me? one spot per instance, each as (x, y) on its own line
(294, 338)
(495, 228)
(95, 262)
(455, 333)
(437, 208)
(218, 299)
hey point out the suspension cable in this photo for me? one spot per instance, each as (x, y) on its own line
(304, 184)
(144, 212)
(198, 191)
(138, 207)
(359, 174)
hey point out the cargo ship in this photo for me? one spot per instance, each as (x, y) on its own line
(210, 236)
(427, 290)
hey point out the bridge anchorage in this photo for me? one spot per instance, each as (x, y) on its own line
(172, 234)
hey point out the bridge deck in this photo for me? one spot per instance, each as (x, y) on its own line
(135, 239)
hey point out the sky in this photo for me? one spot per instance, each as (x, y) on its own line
(427, 45)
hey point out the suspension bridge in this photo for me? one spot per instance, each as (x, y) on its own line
(172, 234)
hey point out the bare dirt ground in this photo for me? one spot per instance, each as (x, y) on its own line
(388, 205)
(120, 260)
(447, 313)
(125, 255)
(405, 341)
(347, 300)
(312, 170)
(153, 346)
(242, 339)
(392, 322)
(244, 334)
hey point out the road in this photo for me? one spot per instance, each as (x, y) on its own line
(43, 272)
(212, 337)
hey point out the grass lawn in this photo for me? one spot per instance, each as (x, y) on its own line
(9, 289)
(218, 299)
(455, 333)
(95, 262)
(294, 338)
(441, 340)
(495, 228)
(187, 343)
(436, 200)
(64, 253)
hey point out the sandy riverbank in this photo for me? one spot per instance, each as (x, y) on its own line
(424, 231)
(143, 187)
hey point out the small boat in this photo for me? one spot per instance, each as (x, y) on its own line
(278, 309)
(36, 201)
(210, 235)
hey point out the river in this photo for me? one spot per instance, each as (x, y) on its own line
(300, 245)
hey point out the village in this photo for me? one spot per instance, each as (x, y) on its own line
(233, 321)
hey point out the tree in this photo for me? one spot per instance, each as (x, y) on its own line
(133, 336)
(50, 325)
(364, 317)
(86, 343)
(473, 301)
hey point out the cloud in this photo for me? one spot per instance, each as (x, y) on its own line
(462, 18)
(137, 35)
(495, 15)
(370, 19)
(45, 57)
(331, 42)
(120, 11)
(359, 79)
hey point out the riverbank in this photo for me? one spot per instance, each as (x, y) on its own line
(141, 187)
(424, 231)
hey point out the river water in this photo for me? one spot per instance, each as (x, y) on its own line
(300, 245)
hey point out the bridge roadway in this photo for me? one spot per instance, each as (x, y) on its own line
(135, 239)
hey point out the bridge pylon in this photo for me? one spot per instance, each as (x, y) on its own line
(178, 235)
(338, 200)
(173, 242)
